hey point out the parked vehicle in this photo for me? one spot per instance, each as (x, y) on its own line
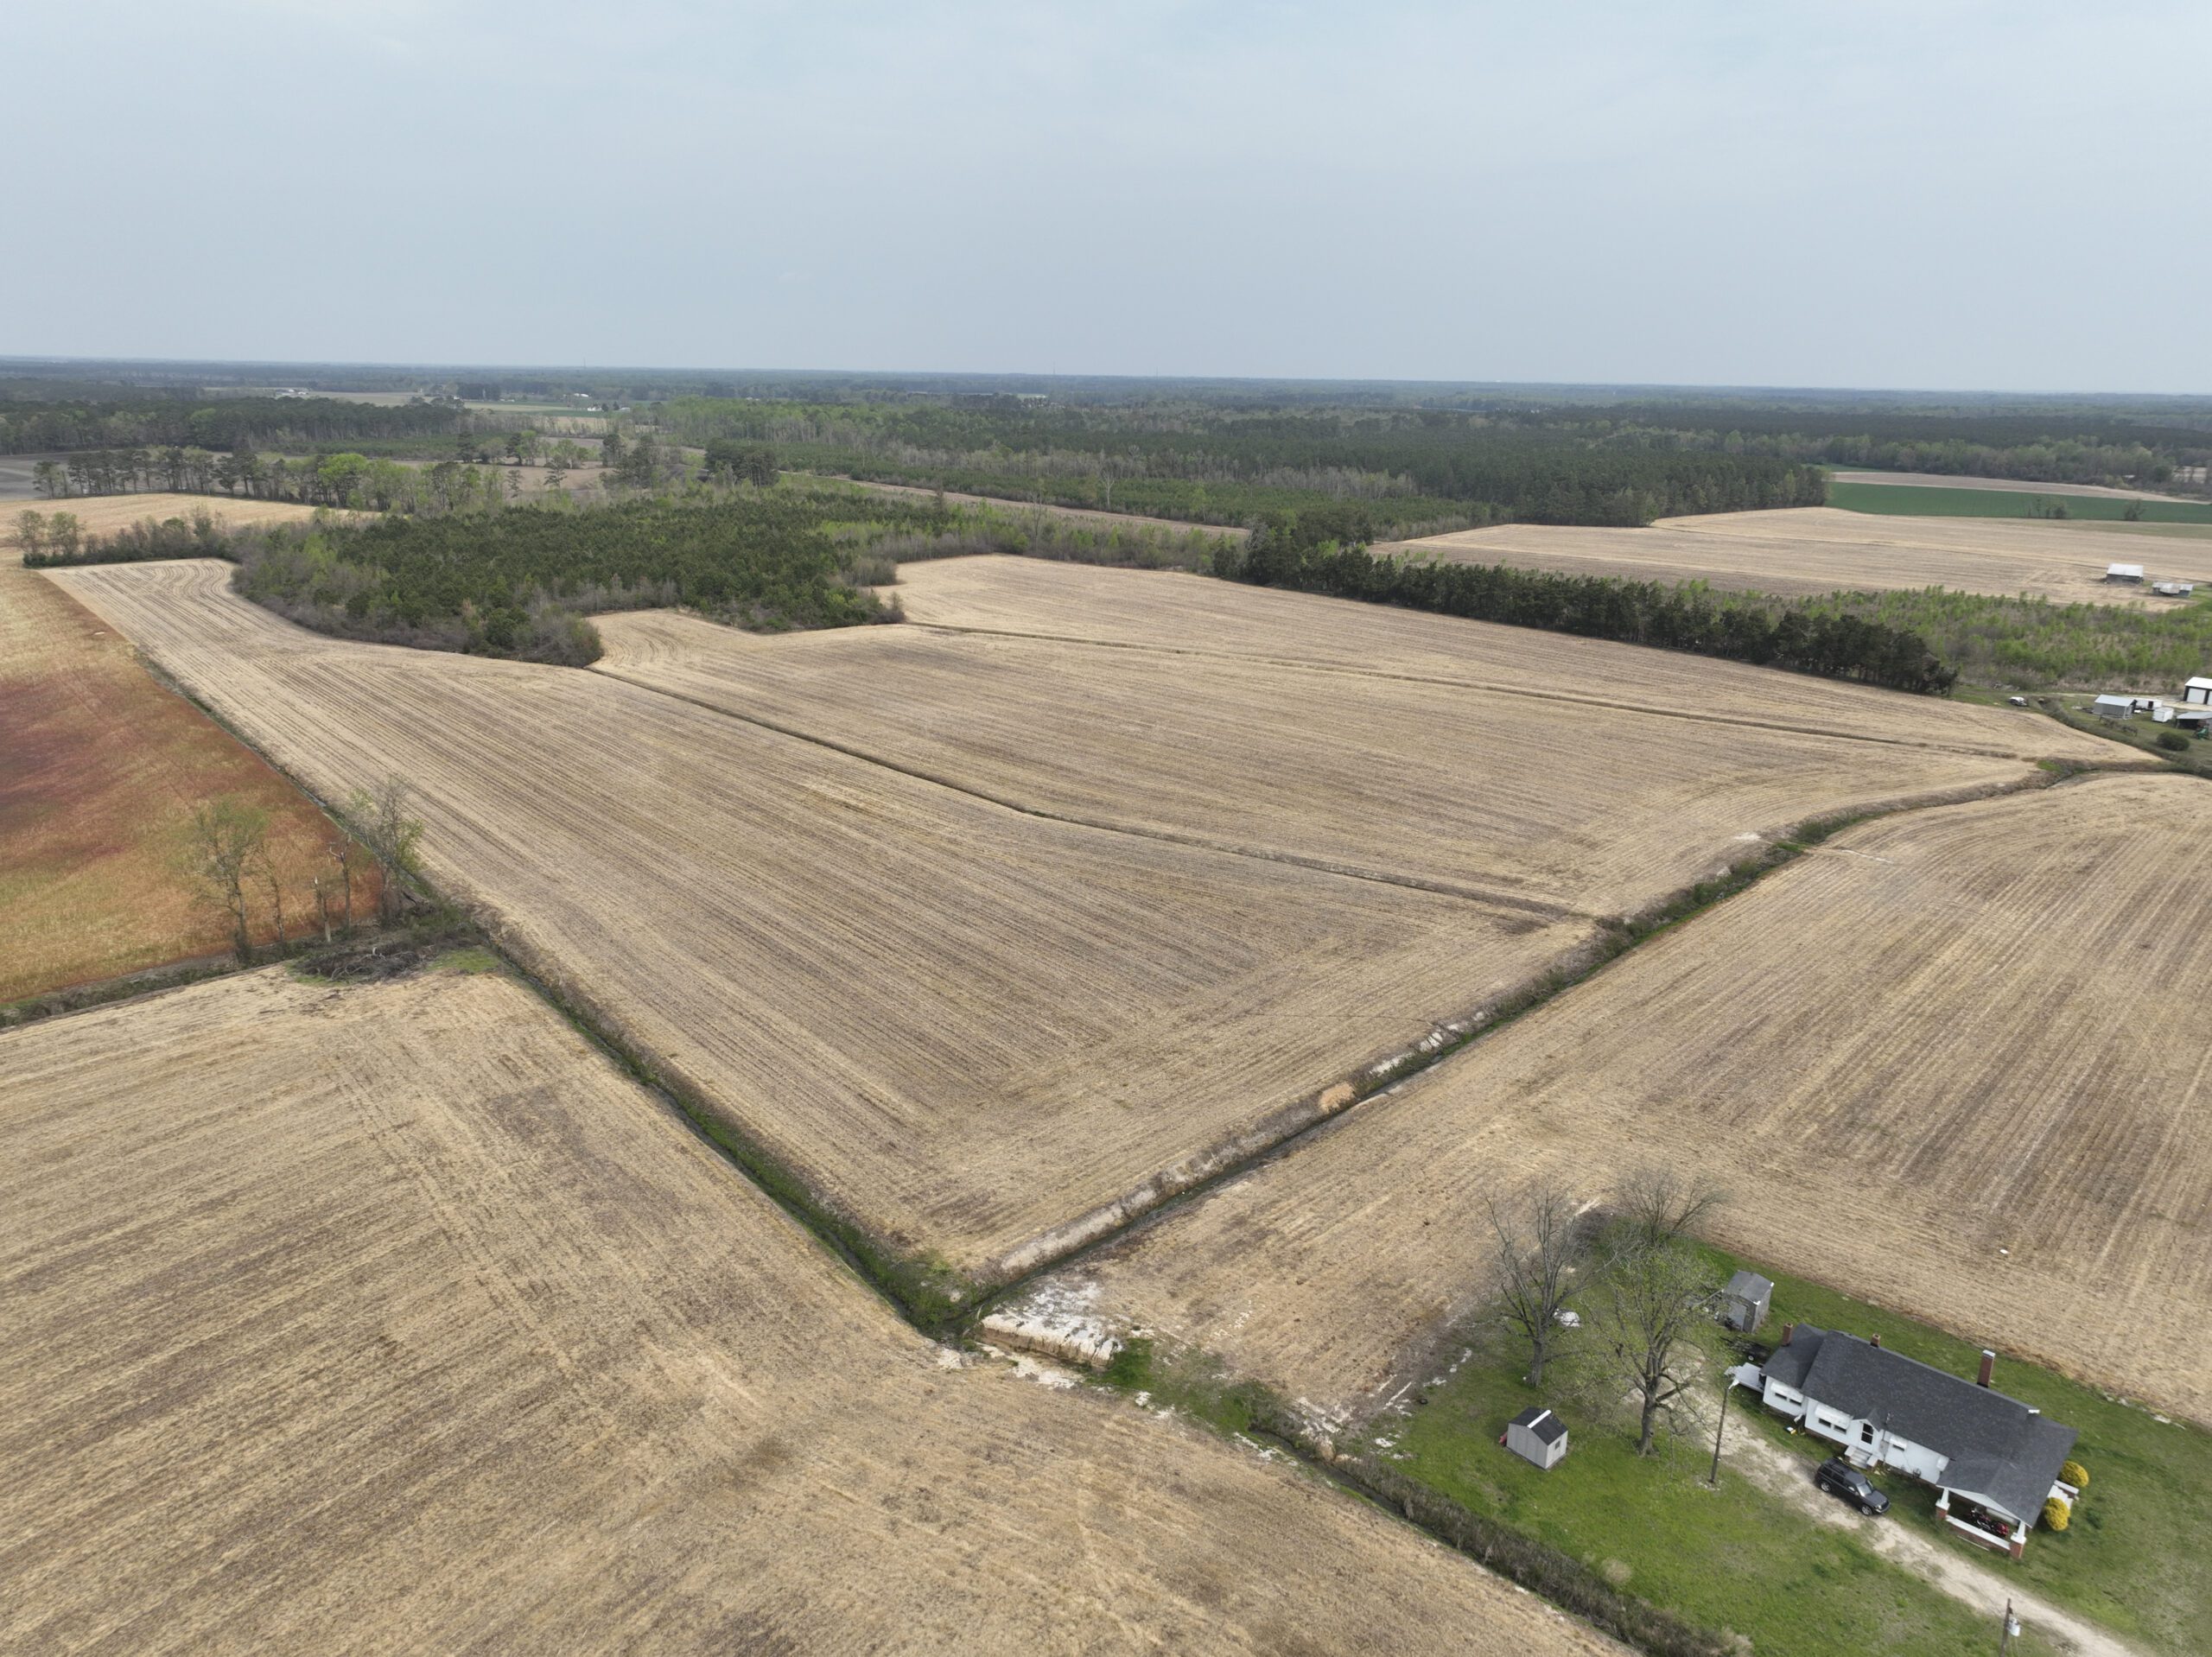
(1840, 1478)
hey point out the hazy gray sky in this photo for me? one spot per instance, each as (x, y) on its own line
(2009, 195)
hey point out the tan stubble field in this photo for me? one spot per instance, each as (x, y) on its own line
(395, 1319)
(1943, 1063)
(981, 1036)
(1813, 550)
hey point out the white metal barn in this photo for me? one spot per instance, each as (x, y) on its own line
(2197, 690)
(1536, 1435)
(2114, 707)
(2124, 573)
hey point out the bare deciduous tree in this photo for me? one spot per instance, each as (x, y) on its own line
(223, 850)
(270, 862)
(1648, 1329)
(1537, 1248)
(1659, 1205)
(343, 853)
(380, 818)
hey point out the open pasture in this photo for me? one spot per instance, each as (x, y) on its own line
(1969, 500)
(1563, 808)
(974, 1033)
(1168, 616)
(1813, 550)
(101, 768)
(1948, 1062)
(395, 1319)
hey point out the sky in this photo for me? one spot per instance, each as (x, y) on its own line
(1945, 195)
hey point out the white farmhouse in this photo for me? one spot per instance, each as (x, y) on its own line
(1995, 1459)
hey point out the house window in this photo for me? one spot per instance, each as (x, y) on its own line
(1866, 1432)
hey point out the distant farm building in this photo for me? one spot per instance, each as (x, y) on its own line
(2122, 707)
(1995, 1460)
(2197, 690)
(2173, 590)
(1536, 1435)
(2124, 573)
(1745, 1301)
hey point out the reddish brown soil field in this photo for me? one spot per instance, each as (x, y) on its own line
(103, 767)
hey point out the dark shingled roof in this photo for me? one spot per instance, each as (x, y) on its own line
(1542, 1422)
(1994, 1446)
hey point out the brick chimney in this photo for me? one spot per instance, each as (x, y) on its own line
(1988, 1367)
(1874, 1340)
(1788, 1330)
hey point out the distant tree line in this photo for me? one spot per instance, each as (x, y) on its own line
(343, 479)
(29, 428)
(1228, 465)
(1322, 551)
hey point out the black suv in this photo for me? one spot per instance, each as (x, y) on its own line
(1839, 1477)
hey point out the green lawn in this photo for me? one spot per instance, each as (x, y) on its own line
(1741, 1559)
(1736, 1559)
(1915, 500)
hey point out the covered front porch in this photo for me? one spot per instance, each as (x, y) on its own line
(1982, 1524)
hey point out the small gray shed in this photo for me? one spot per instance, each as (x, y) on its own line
(1536, 1435)
(1745, 1301)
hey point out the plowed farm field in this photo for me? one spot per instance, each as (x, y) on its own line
(396, 1318)
(101, 768)
(105, 514)
(1946, 1062)
(1560, 807)
(1810, 550)
(1168, 616)
(980, 1034)
(966, 1027)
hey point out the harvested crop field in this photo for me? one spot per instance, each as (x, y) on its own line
(103, 768)
(1166, 615)
(2003, 485)
(105, 514)
(1945, 1062)
(966, 1027)
(1813, 550)
(396, 1318)
(1565, 809)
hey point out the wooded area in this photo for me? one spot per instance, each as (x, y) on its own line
(132, 420)
(1219, 465)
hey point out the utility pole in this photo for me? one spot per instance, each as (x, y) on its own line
(1726, 1387)
(2012, 1629)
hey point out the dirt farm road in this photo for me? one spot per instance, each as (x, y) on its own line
(1775, 1471)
